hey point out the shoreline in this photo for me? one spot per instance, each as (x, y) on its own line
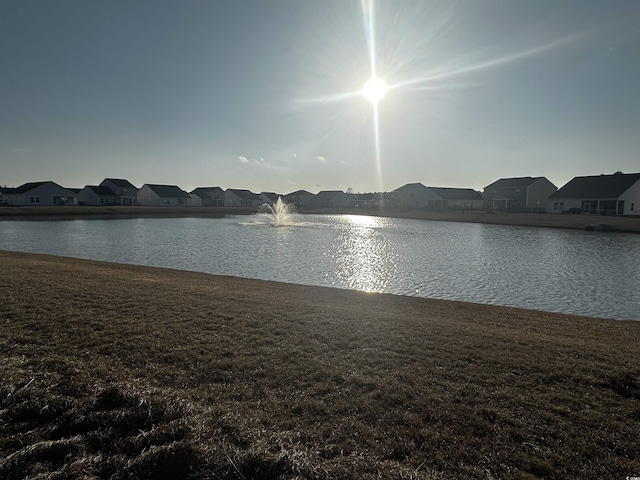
(544, 220)
(130, 370)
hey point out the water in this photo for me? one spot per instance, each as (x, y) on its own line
(278, 213)
(566, 271)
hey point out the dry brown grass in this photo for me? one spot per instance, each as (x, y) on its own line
(123, 372)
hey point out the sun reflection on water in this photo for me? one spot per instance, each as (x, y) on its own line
(364, 258)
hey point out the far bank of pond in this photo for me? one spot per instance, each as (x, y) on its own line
(579, 222)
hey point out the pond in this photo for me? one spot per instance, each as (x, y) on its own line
(584, 273)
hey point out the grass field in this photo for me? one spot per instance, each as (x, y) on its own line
(125, 372)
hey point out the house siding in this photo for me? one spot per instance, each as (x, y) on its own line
(631, 200)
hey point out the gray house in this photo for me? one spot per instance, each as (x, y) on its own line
(416, 195)
(270, 197)
(617, 194)
(241, 198)
(207, 197)
(162, 196)
(97, 195)
(39, 194)
(331, 199)
(521, 194)
(300, 198)
(126, 193)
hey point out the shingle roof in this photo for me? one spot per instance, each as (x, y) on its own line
(28, 187)
(513, 182)
(168, 191)
(271, 196)
(245, 194)
(102, 191)
(121, 183)
(418, 184)
(299, 192)
(598, 186)
(204, 192)
(327, 195)
(456, 193)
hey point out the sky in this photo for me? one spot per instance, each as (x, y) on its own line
(266, 95)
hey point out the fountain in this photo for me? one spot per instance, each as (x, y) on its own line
(279, 213)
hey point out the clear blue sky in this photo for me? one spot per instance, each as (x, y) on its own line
(252, 94)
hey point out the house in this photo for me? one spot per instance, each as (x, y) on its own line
(520, 194)
(162, 195)
(269, 197)
(416, 195)
(331, 199)
(617, 194)
(461, 198)
(241, 198)
(300, 198)
(97, 195)
(39, 194)
(126, 193)
(207, 197)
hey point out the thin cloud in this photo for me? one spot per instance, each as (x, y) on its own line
(243, 159)
(322, 159)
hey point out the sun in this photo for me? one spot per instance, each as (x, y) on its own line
(374, 90)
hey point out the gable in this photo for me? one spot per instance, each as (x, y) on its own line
(598, 186)
(168, 191)
(513, 182)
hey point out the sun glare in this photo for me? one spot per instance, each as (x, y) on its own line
(374, 90)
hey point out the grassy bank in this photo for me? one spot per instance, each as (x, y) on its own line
(579, 222)
(114, 371)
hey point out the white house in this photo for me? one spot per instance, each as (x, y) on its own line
(39, 194)
(617, 194)
(162, 196)
(241, 198)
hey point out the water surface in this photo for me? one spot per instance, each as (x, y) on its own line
(585, 273)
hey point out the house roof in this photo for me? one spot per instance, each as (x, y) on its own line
(168, 191)
(204, 192)
(456, 193)
(271, 196)
(598, 186)
(120, 183)
(27, 187)
(326, 195)
(513, 182)
(298, 192)
(101, 191)
(415, 184)
(244, 194)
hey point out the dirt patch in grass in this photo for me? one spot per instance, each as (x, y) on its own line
(114, 371)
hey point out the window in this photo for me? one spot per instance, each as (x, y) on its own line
(35, 199)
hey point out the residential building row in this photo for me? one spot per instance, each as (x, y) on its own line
(615, 194)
